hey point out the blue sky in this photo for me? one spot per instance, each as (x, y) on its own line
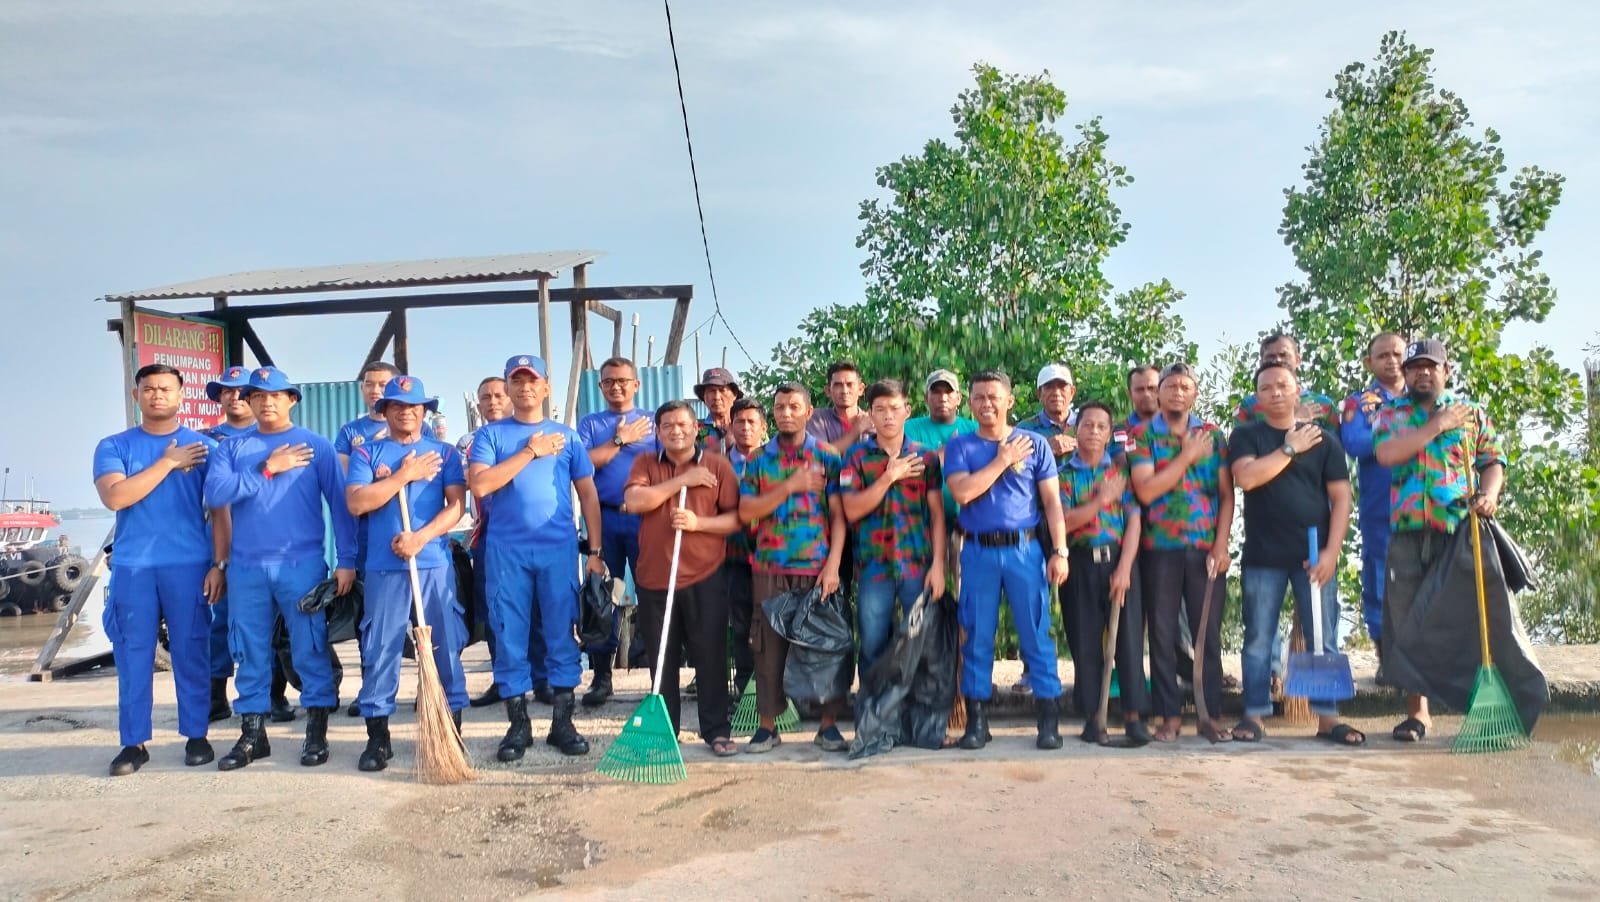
(151, 143)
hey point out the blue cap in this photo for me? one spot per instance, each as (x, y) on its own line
(269, 378)
(235, 377)
(530, 362)
(406, 390)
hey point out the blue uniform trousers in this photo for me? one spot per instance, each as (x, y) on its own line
(480, 604)
(140, 598)
(1019, 571)
(619, 547)
(523, 581)
(221, 658)
(1374, 574)
(258, 591)
(384, 622)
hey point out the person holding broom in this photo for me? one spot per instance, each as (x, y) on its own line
(528, 467)
(1431, 438)
(429, 472)
(700, 607)
(1294, 477)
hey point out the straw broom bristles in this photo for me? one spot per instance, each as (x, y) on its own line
(1297, 708)
(441, 755)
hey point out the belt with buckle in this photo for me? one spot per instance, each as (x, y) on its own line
(1099, 554)
(1002, 539)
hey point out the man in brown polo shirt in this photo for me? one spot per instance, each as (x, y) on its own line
(700, 601)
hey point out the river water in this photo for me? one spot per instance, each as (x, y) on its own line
(22, 637)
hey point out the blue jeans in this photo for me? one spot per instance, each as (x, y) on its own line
(384, 622)
(258, 591)
(140, 597)
(1019, 571)
(875, 599)
(1262, 589)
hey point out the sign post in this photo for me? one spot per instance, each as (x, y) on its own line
(193, 346)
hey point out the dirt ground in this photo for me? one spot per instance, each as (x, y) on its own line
(1287, 819)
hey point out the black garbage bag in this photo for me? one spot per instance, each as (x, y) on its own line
(1519, 573)
(822, 643)
(597, 609)
(342, 611)
(1435, 650)
(906, 696)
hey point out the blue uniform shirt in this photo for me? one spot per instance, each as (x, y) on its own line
(280, 519)
(1359, 414)
(535, 507)
(1012, 502)
(167, 527)
(222, 431)
(597, 429)
(425, 499)
(365, 429)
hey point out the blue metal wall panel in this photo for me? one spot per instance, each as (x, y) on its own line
(657, 386)
(326, 406)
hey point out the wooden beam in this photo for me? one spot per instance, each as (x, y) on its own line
(544, 333)
(234, 352)
(130, 364)
(580, 313)
(569, 414)
(386, 303)
(680, 321)
(606, 310)
(254, 341)
(381, 343)
(402, 348)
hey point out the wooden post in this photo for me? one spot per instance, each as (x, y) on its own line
(544, 329)
(697, 352)
(680, 320)
(616, 338)
(233, 354)
(569, 414)
(402, 353)
(130, 364)
(580, 312)
(381, 343)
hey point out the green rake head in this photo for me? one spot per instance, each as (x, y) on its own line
(745, 718)
(1492, 723)
(647, 749)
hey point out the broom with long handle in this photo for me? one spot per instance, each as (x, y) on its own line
(1492, 723)
(1205, 725)
(441, 755)
(646, 751)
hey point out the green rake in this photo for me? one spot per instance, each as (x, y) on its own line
(646, 751)
(746, 719)
(1492, 723)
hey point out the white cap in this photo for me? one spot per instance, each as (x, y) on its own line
(1053, 372)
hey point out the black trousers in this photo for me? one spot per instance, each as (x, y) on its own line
(741, 606)
(1174, 578)
(700, 619)
(1086, 604)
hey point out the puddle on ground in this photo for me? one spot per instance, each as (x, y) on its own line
(1576, 738)
(1584, 755)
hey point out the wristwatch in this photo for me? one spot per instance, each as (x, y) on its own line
(1059, 552)
(1288, 450)
(617, 440)
(221, 565)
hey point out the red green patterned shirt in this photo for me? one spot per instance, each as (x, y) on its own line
(794, 537)
(739, 543)
(711, 437)
(892, 542)
(1185, 517)
(1430, 491)
(1078, 482)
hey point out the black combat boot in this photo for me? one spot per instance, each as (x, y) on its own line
(315, 749)
(542, 693)
(378, 751)
(219, 699)
(1049, 724)
(563, 735)
(252, 744)
(600, 683)
(520, 734)
(455, 718)
(977, 734)
(198, 751)
(489, 697)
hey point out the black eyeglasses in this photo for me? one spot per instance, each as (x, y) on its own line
(607, 383)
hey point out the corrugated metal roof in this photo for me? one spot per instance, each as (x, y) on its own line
(357, 276)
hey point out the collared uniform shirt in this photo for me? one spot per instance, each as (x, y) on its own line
(1012, 503)
(794, 537)
(1430, 491)
(1373, 479)
(223, 431)
(599, 428)
(1323, 411)
(892, 542)
(1078, 484)
(1185, 517)
(424, 500)
(1043, 425)
(534, 510)
(168, 526)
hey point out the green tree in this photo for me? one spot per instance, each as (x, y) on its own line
(1408, 222)
(986, 253)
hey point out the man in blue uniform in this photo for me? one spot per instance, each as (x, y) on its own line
(1360, 414)
(153, 476)
(429, 472)
(614, 437)
(236, 420)
(528, 466)
(1006, 482)
(276, 480)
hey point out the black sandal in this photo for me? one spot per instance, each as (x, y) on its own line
(1341, 733)
(1253, 732)
(1410, 730)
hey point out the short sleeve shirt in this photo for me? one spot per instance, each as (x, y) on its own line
(1078, 484)
(1012, 503)
(1186, 516)
(534, 509)
(711, 437)
(793, 538)
(168, 526)
(1323, 411)
(1430, 491)
(740, 543)
(425, 499)
(1279, 512)
(934, 436)
(598, 429)
(1043, 425)
(702, 553)
(892, 542)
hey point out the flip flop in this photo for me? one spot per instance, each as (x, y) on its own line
(1410, 730)
(1340, 735)
(1253, 732)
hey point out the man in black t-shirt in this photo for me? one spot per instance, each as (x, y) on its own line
(1296, 497)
